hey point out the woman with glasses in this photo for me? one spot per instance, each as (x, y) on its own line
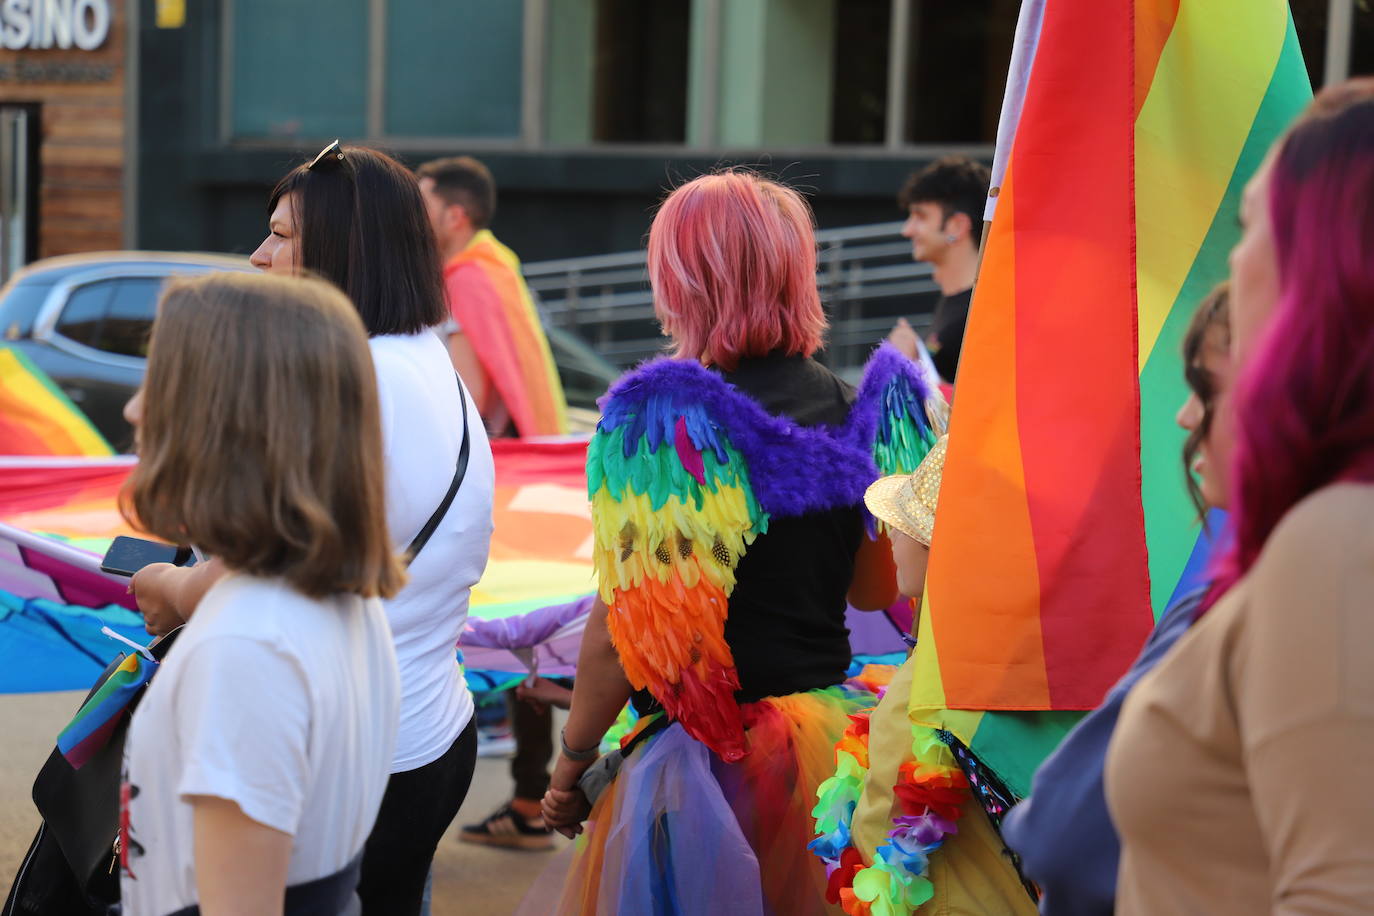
(1063, 832)
(355, 217)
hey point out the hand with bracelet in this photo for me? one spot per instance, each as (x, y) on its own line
(598, 694)
(565, 807)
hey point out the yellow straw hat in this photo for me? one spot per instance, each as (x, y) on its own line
(907, 501)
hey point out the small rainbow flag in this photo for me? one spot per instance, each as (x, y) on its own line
(36, 417)
(488, 297)
(97, 718)
(1128, 133)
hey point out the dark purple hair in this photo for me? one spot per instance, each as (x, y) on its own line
(1305, 400)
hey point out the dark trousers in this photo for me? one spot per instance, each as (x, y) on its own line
(532, 729)
(417, 808)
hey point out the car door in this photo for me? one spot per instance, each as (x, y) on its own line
(96, 329)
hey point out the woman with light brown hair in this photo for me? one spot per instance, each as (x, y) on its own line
(355, 217)
(256, 763)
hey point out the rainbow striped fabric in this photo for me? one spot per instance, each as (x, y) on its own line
(541, 550)
(97, 718)
(36, 417)
(1128, 133)
(488, 298)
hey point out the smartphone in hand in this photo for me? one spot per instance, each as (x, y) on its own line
(127, 555)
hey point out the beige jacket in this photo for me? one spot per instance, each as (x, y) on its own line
(1241, 774)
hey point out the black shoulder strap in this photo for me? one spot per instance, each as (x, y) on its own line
(458, 473)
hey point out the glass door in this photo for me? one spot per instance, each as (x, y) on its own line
(19, 128)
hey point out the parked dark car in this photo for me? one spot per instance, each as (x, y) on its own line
(84, 320)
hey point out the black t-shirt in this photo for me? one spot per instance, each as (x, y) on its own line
(786, 625)
(946, 336)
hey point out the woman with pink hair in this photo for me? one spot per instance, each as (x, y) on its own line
(727, 484)
(1238, 774)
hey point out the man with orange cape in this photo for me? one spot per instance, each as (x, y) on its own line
(497, 343)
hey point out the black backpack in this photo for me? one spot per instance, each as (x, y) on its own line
(72, 864)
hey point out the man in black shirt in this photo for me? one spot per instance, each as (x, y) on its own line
(944, 204)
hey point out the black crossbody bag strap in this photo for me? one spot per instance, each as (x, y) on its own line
(458, 473)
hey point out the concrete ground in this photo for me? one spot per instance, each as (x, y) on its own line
(468, 880)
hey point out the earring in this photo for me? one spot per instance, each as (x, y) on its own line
(951, 239)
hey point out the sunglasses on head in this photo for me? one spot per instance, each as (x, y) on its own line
(331, 157)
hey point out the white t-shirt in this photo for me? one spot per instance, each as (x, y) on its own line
(283, 704)
(421, 433)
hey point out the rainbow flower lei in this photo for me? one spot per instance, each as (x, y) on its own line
(930, 793)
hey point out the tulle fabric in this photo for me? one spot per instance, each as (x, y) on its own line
(681, 832)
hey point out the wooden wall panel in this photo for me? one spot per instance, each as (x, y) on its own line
(81, 199)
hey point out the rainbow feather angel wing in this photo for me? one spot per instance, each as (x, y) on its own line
(673, 511)
(899, 413)
(684, 473)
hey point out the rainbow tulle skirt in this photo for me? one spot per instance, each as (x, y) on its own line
(681, 832)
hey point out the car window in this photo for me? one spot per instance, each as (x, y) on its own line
(113, 316)
(130, 317)
(18, 306)
(84, 312)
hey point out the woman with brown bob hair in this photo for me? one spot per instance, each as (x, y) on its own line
(355, 217)
(256, 763)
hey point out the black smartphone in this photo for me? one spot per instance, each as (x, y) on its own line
(127, 555)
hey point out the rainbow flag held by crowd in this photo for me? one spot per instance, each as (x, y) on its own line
(58, 515)
(1128, 134)
(36, 417)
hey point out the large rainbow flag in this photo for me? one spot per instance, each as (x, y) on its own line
(488, 298)
(58, 515)
(36, 417)
(1129, 131)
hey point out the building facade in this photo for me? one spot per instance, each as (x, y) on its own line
(64, 127)
(584, 109)
(161, 124)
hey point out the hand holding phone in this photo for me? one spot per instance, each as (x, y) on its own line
(128, 555)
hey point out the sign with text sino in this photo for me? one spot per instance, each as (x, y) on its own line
(54, 24)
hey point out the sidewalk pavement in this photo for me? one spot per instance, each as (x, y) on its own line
(468, 880)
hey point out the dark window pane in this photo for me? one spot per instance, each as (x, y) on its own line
(1310, 18)
(113, 316)
(1362, 40)
(860, 81)
(641, 71)
(84, 313)
(960, 53)
(300, 68)
(453, 69)
(130, 316)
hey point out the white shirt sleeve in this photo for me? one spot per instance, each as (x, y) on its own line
(242, 714)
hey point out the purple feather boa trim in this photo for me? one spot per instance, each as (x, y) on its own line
(886, 364)
(793, 469)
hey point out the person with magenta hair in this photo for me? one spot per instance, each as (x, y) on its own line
(727, 484)
(356, 217)
(1063, 832)
(1238, 776)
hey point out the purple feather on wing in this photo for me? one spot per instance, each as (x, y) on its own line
(689, 456)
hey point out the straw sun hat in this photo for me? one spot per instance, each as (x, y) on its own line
(907, 501)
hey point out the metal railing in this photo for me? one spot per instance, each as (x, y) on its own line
(865, 274)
